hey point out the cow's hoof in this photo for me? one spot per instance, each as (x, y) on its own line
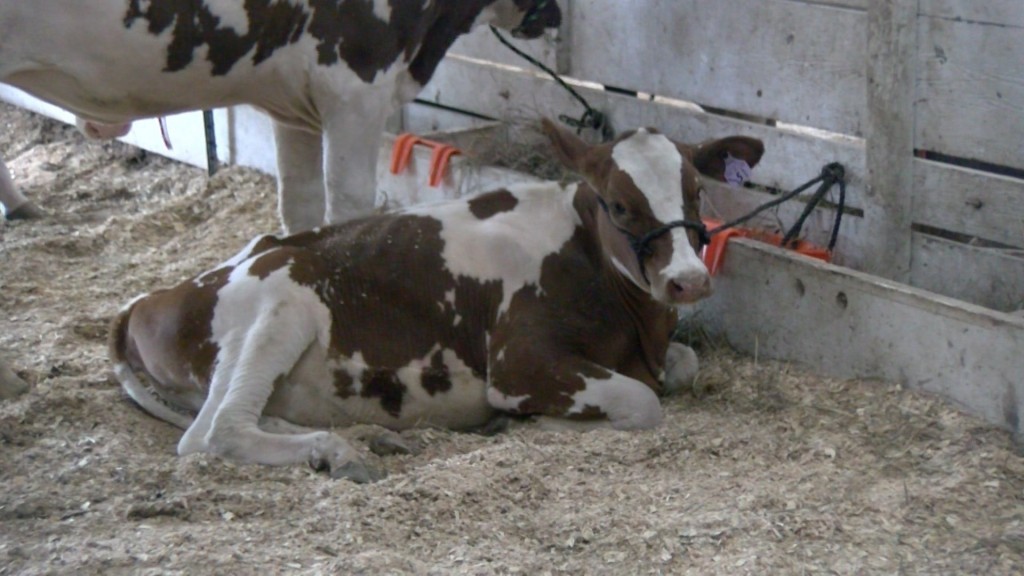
(334, 455)
(358, 472)
(681, 367)
(498, 424)
(390, 445)
(27, 211)
(10, 384)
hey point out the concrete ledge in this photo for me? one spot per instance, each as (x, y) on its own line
(846, 323)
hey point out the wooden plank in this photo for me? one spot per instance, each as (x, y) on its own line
(850, 4)
(793, 156)
(987, 277)
(971, 101)
(890, 132)
(849, 324)
(969, 202)
(995, 12)
(797, 62)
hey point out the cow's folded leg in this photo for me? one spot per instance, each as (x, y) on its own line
(681, 367)
(583, 393)
(300, 178)
(228, 423)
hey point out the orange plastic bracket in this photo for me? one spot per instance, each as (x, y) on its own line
(401, 155)
(714, 253)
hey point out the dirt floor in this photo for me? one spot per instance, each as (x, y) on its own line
(772, 471)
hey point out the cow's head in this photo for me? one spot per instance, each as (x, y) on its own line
(649, 192)
(526, 18)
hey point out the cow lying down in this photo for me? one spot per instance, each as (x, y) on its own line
(526, 301)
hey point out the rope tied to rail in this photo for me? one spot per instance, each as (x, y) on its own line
(831, 175)
(591, 117)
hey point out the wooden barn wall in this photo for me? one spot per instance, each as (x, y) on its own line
(955, 89)
(821, 68)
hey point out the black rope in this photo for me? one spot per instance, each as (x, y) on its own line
(591, 118)
(831, 174)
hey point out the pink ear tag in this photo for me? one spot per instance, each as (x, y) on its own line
(737, 171)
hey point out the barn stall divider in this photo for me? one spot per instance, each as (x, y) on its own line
(920, 100)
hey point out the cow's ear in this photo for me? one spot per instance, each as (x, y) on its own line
(722, 159)
(568, 147)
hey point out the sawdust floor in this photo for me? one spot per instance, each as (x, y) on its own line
(774, 471)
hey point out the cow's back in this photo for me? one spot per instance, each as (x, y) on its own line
(112, 60)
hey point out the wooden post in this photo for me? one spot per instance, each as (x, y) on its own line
(892, 26)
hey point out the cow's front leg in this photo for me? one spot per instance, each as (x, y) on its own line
(571, 392)
(300, 178)
(352, 139)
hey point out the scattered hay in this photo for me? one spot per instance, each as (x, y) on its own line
(772, 470)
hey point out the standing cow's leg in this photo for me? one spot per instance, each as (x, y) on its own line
(300, 178)
(352, 137)
(572, 392)
(16, 206)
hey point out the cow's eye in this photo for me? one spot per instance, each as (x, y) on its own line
(618, 209)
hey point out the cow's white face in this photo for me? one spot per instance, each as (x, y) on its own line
(651, 184)
(645, 182)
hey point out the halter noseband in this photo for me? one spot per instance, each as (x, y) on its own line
(641, 245)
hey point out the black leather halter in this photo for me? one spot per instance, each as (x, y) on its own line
(641, 245)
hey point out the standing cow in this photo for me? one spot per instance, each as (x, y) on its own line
(541, 300)
(329, 72)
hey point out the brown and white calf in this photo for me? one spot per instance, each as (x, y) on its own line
(328, 72)
(528, 301)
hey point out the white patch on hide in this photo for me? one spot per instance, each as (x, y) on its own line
(462, 406)
(625, 272)
(382, 9)
(231, 13)
(509, 246)
(501, 401)
(685, 263)
(246, 299)
(656, 167)
(628, 403)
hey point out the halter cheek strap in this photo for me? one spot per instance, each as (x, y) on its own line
(641, 245)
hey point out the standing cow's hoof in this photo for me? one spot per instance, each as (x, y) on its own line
(27, 211)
